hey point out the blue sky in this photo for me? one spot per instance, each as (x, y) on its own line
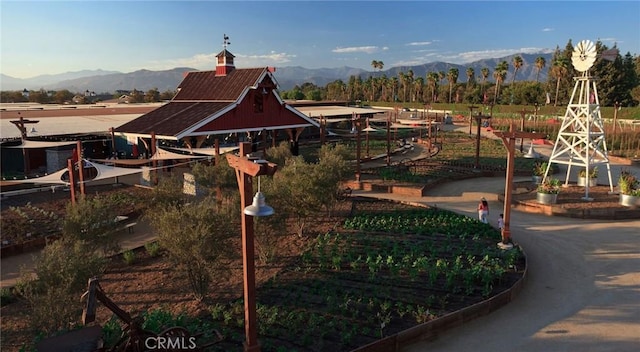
(51, 37)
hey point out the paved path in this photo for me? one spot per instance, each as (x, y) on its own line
(11, 266)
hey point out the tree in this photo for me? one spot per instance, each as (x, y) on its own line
(517, 63)
(432, 78)
(198, 237)
(301, 189)
(471, 74)
(559, 70)
(452, 77)
(93, 220)
(540, 64)
(485, 74)
(499, 74)
(152, 96)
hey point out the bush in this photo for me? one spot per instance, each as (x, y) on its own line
(196, 237)
(6, 296)
(59, 278)
(129, 257)
(152, 248)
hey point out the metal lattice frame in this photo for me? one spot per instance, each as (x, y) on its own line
(581, 139)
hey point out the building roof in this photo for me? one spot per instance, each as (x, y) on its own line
(206, 86)
(207, 102)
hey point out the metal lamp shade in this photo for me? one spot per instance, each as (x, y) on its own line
(531, 154)
(259, 206)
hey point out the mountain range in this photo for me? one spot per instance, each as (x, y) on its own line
(101, 81)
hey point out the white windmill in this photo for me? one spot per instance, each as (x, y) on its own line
(581, 140)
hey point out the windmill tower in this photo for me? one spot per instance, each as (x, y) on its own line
(581, 139)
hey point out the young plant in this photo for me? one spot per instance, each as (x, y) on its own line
(129, 257)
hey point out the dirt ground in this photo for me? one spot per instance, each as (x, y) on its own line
(151, 283)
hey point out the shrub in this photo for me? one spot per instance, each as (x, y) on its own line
(6, 296)
(549, 186)
(153, 248)
(196, 237)
(627, 182)
(129, 256)
(593, 173)
(59, 277)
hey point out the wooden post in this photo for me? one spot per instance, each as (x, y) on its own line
(154, 163)
(72, 183)
(471, 108)
(323, 129)
(80, 169)
(509, 141)
(245, 170)
(358, 148)
(388, 138)
(113, 142)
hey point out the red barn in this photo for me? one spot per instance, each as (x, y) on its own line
(224, 102)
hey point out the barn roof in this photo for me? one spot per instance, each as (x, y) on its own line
(205, 104)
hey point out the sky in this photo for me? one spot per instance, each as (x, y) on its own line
(53, 37)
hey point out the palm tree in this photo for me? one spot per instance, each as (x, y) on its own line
(394, 83)
(517, 63)
(485, 74)
(432, 78)
(403, 81)
(452, 77)
(471, 74)
(499, 74)
(540, 64)
(559, 70)
(418, 84)
(409, 84)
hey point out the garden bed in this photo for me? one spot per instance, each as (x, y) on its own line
(387, 269)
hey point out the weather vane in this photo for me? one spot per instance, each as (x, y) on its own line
(226, 41)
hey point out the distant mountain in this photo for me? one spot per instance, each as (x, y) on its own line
(142, 80)
(44, 81)
(100, 81)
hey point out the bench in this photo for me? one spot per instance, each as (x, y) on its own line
(128, 227)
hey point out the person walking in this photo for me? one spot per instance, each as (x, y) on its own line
(501, 222)
(483, 210)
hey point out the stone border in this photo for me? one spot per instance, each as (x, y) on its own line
(432, 329)
(582, 213)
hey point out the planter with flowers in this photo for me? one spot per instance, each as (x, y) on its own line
(547, 192)
(629, 188)
(539, 168)
(592, 178)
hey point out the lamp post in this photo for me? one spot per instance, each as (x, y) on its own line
(388, 138)
(509, 141)
(357, 122)
(471, 108)
(479, 118)
(245, 170)
(523, 113)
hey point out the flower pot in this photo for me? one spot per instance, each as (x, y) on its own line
(537, 179)
(582, 182)
(628, 200)
(547, 198)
